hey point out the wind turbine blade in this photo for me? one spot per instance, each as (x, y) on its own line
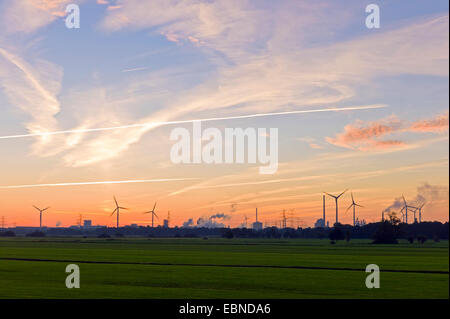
(123, 208)
(155, 215)
(36, 208)
(352, 197)
(113, 211)
(330, 195)
(46, 208)
(349, 207)
(359, 205)
(115, 200)
(154, 206)
(147, 212)
(404, 200)
(342, 193)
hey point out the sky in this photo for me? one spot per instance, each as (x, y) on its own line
(139, 62)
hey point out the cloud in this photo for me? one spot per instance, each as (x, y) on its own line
(209, 223)
(438, 124)
(188, 223)
(364, 136)
(255, 66)
(427, 194)
(219, 216)
(33, 88)
(27, 16)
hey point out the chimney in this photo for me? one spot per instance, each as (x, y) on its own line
(256, 214)
(323, 199)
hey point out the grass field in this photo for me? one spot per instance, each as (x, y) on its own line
(220, 268)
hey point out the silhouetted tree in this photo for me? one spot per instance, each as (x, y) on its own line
(228, 234)
(7, 233)
(388, 231)
(36, 234)
(336, 234)
(421, 239)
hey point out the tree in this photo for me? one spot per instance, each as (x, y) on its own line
(8, 233)
(393, 219)
(422, 239)
(336, 234)
(347, 236)
(228, 234)
(388, 231)
(36, 234)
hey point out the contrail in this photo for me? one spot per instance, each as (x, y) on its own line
(155, 124)
(98, 183)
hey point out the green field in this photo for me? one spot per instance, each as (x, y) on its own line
(220, 268)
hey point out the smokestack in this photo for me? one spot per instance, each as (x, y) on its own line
(256, 214)
(382, 216)
(323, 200)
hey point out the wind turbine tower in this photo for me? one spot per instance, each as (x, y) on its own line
(405, 207)
(153, 214)
(117, 211)
(323, 210)
(420, 212)
(336, 201)
(40, 215)
(353, 205)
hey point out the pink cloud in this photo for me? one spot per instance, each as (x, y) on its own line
(437, 124)
(359, 136)
(364, 136)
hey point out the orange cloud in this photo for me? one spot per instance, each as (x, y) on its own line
(382, 145)
(114, 7)
(364, 137)
(54, 7)
(360, 137)
(438, 124)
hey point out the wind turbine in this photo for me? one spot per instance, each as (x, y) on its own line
(420, 212)
(152, 212)
(405, 207)
(336, 200)
(354, 205)
(117, 210)
(40, 214)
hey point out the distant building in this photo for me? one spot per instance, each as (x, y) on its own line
(360, 222)
(87, 223)
(133, 225)
(257, 225)
(166, 223)
(319, 223)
